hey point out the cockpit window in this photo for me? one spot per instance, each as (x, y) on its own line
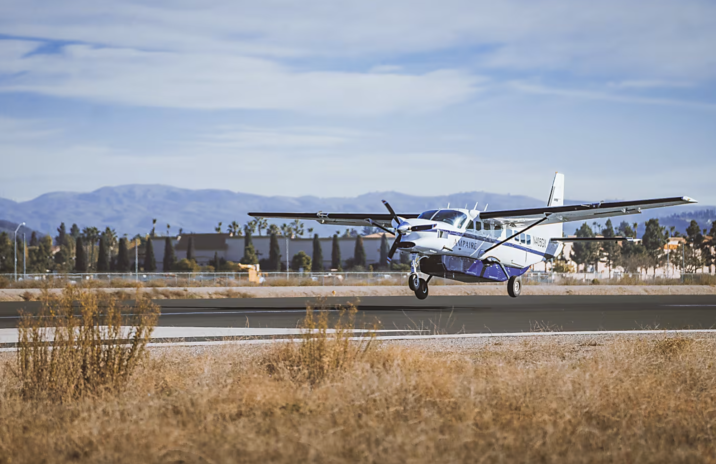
(454, 218)
(428, 214)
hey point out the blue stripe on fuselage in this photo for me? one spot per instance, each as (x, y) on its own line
(483, 238)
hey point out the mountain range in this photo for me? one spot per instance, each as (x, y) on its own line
(130, 208)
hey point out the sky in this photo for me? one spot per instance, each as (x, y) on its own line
(339, 98)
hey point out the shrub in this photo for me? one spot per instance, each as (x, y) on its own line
(321, 352)
(64, 354)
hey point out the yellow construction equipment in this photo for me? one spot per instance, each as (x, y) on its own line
(254, 274)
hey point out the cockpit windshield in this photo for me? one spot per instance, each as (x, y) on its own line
(454, 218)
(428, 214)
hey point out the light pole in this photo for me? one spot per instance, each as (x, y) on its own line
(136, 259)
(288, 254)
(24, 256)
(18, 228)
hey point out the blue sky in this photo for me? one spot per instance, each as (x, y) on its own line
(341, 98)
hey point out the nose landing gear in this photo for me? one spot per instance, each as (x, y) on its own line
(419, 286)
(413, 282)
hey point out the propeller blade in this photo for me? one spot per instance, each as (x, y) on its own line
(393, 248)
(390, 209)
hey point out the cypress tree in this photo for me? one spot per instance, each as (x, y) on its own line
(61, 234)
(75, 231)
(317, 259)
(103, 256)
(384, 252)
(249, 250)
(335, 253)
(169, 258)
(80, 256)
(359, 253)
(274, 253)
(33, 239)
(150, 263)
(123, 264)
(190, 249)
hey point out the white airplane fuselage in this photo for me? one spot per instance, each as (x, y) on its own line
(472, 237)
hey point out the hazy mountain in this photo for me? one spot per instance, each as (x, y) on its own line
(9, 227)
(130, 208)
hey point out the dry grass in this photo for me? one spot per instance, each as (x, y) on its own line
(81, 343)
(325, 399)
(325, 349)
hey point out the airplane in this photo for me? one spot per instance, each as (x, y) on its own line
(483, 246)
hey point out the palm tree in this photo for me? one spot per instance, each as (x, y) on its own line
(217, 229)
(90, 236)
(110, 237)
(168, 227)
(154, 226)
(297, 227)
(261, 224)
(234, 229)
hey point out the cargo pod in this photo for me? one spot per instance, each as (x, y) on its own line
(468, 269)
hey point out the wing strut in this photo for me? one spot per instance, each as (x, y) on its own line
(518, 233)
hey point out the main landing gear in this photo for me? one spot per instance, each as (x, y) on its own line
(419, 286)
(514, 286)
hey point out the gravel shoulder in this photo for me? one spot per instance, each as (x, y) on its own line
(350, 291)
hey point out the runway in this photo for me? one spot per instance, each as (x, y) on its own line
(441, 314)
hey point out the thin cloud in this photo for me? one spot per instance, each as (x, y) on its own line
(590, 95)
(201, 81)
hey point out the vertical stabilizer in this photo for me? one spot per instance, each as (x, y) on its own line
(556, 198)
(556, 195)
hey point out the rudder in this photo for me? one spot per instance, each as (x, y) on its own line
(556, 195)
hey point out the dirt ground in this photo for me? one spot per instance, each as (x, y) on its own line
(313, 292)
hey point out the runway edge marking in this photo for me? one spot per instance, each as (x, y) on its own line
(432, 337)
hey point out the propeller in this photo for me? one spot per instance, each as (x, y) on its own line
(398, 233)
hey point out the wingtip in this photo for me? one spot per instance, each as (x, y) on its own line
(689, 200)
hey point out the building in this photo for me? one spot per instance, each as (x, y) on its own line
(231, 248)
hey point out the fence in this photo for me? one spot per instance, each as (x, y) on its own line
(240, 279)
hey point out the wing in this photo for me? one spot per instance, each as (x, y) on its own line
(557, 214)
(340, 219)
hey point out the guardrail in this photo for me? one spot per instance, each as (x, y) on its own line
(240, 279)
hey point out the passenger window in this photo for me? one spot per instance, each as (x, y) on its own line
(470, 225)
(529, 240)
(522, 238)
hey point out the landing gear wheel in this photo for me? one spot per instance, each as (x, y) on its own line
(422, 291)
(413, 282)
(514, 286)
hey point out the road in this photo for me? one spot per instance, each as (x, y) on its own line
(470, 314)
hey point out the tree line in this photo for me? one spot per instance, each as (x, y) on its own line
(696, 252)
(92, 250)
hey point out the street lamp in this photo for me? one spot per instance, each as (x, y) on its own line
(287, 255)
(18, 228)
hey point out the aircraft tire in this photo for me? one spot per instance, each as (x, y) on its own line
(514, 286)
(413, 282)
(422, 291)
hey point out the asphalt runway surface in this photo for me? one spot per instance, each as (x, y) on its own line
(445, 314)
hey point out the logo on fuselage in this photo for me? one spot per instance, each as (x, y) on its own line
(467, 244)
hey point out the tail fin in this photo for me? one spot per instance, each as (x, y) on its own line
(556, 196)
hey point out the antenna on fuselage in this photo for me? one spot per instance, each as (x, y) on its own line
(476, 205)
(448, 206)
(486, 207)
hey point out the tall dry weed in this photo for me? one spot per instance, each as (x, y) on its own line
(321, 351)
(81, 343)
